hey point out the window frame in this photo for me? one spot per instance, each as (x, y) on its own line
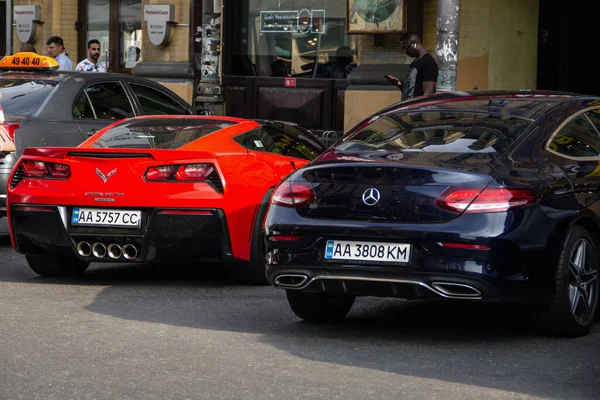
(84, 92)
(565, 123)
(138, 103)
(93, 83)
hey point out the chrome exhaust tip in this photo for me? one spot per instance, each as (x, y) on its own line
(114, 251)
(130, 251)
(290, 280)
(84, 249)
(456, 290)
(99, 250)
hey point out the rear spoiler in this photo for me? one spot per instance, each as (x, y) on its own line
(158, 155)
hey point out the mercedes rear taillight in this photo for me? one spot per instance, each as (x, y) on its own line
(293, 194)
(479, 200)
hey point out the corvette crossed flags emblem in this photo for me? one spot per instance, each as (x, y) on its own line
(105, 177)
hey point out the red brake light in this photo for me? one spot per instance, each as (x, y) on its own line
(160, 173)
(194, 172)
(60, 170)
(492, 199)
(10, 129)
(34, 169)
(465, 246)
(293, 194)
(40, 169)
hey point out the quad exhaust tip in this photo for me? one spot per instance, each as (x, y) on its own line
(114, 251)
(130, 251)
(99, 250)
(84, 249)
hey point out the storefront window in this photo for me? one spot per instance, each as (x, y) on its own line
(98, 17)
(130, 32)
(299, 38)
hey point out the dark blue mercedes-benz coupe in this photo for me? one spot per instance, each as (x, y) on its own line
(479, 196)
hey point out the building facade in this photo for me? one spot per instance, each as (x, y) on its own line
(317, 62)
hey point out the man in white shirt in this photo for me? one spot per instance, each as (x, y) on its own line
(56, 49)
(91, 64)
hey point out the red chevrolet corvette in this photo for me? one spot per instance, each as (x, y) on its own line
(154, 189)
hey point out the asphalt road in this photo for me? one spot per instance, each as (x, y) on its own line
(126, 332)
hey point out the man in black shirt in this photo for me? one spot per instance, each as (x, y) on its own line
(422, 74)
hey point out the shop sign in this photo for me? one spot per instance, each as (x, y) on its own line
(159, 19)
(26, 19)
(303, 21)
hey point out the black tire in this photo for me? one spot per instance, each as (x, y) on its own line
(254, 272)
(56, 266)
(319, 307)
(563, 316)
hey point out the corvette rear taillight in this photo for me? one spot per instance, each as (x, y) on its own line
(194, 172)
(479, 200)
(186, 172)
(34, 169)
(59, 170)
(41, 169)
(160, 173)
(293, 194)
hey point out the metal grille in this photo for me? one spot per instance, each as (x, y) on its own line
(215, 181)
(17, 177)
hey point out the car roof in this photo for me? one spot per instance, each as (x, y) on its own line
(529, 104)
(65, 75)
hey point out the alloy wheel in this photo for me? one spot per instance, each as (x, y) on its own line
(583, 282)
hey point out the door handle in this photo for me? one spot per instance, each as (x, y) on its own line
(92, 132)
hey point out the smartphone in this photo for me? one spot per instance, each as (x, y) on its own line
(392, 80)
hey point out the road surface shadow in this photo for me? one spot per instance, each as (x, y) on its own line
(487, 345)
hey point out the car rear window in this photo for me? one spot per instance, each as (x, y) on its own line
(436, 132)
(24, 97)
(157, 133)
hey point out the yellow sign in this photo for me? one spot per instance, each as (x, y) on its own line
(27, 61)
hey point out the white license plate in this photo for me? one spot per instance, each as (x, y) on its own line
(367, 251)
(104, 217)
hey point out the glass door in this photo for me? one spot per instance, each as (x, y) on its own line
(98, 27)
(117, 24)
(130, 33)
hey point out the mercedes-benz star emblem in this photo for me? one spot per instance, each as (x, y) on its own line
(105, 177)
(371, 196)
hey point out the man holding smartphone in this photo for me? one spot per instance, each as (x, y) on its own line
(422, 75)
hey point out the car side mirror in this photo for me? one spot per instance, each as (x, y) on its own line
(203, 111)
